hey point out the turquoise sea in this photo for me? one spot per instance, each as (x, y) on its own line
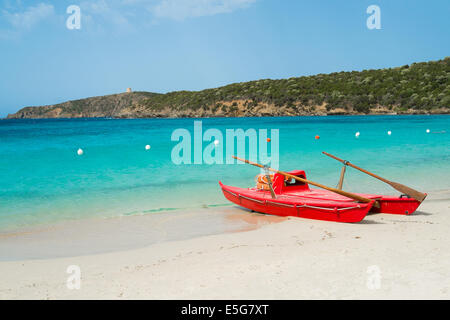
(43, 180)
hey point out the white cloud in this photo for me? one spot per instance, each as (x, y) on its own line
(101, 12)
(121, 12)
(28, 18)
(120, 15)
(182, 9)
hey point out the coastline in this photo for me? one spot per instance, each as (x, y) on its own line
(412, 113)
(291, 259)
(381, 91)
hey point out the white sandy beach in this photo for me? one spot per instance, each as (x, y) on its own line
(283, 259)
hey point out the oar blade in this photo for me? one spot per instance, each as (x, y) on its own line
(419, 196)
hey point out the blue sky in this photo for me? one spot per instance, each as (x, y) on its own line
(167, 45)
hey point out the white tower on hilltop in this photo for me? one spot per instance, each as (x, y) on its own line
(128, 90)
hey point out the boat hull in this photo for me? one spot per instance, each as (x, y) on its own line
(395, 205)
(344, 211)
(318, 204)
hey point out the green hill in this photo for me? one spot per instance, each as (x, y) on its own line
(416, 88)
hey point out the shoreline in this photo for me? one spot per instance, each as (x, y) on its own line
(292, 259)
(72, 238)
(240, 117)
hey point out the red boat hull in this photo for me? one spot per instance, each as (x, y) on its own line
(301, 201)
(303, 208)
(395, 205)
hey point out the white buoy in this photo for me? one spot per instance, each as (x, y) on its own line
(216, 142)
(357, 134)
(80, 152)
(147, 147)
(389, 132)
(428, 130)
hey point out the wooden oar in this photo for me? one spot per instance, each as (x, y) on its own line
(419, 196)
(341, 192)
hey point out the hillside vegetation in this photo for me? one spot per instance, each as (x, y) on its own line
(416, 88)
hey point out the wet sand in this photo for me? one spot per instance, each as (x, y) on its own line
(94, 236)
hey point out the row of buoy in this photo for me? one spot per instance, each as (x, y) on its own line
(80, 151)
(216, 142)
(357, 134)
(148, 147)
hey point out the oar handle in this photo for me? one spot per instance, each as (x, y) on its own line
(335, 158)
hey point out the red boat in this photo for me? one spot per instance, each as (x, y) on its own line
(295, 198)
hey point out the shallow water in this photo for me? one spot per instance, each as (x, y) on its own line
(44, 181)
